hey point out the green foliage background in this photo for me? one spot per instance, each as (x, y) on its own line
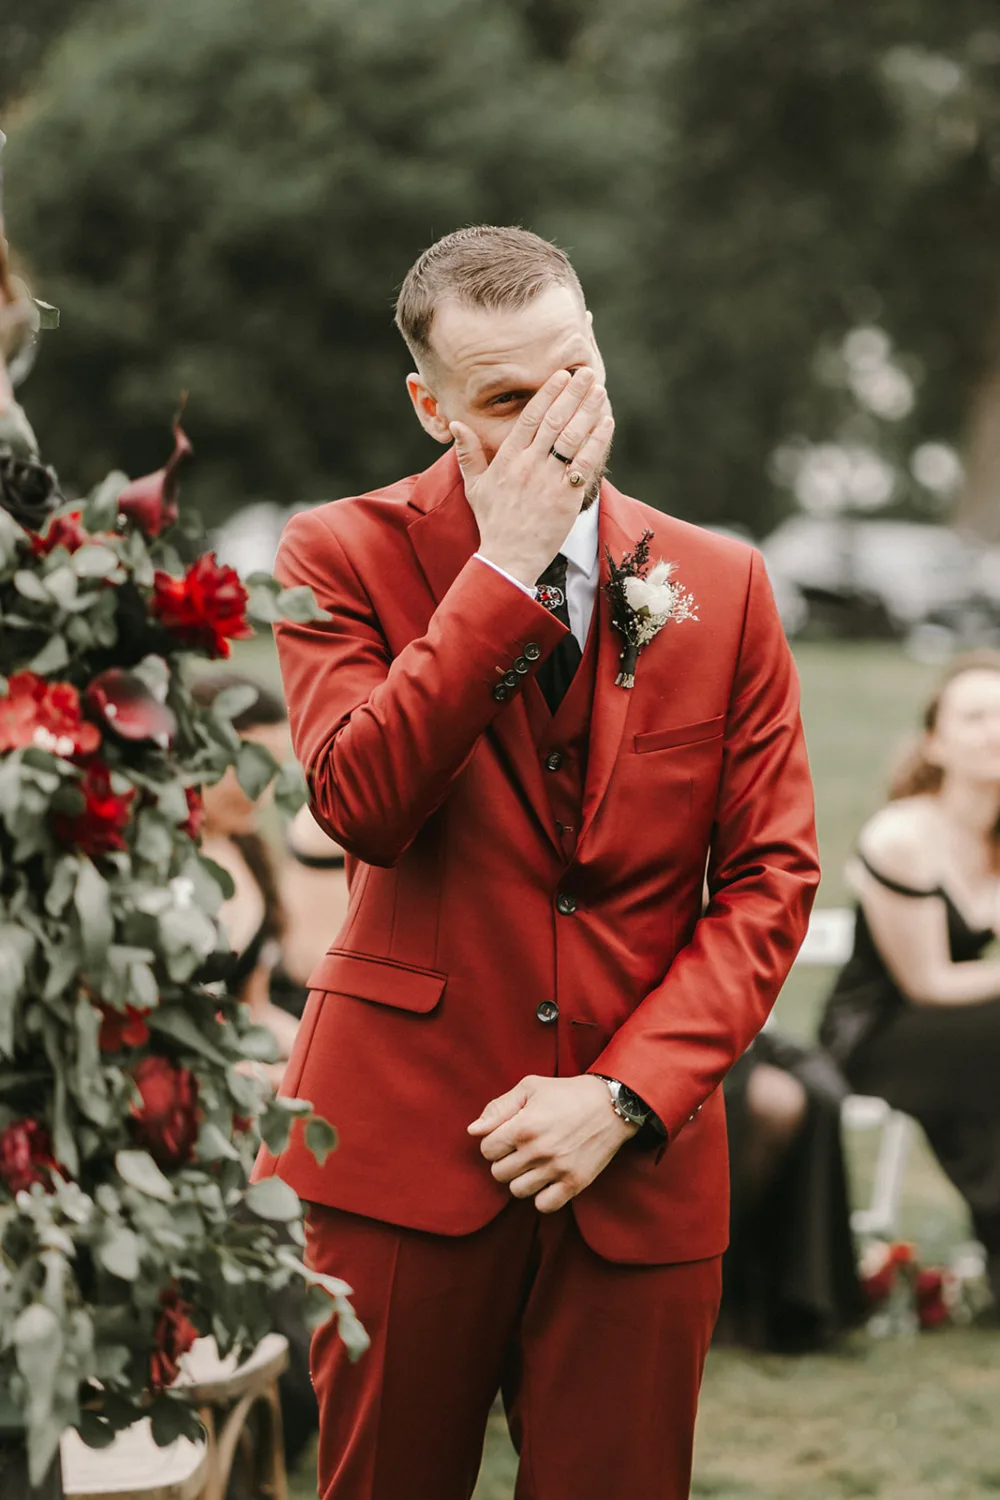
(223, 198)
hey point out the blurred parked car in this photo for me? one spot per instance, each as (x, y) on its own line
(864, 577)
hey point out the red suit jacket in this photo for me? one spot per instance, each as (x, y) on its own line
(425, 1006)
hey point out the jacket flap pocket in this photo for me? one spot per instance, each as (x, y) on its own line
(681, 734)
(380, 979)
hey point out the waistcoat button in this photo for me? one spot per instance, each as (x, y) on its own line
(547, 1012)
(553, 761)
(565, 904)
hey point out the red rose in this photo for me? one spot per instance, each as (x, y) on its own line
(877, 1286)
(99, 828)
(902, 1254)
(207, 608)
(26, 1155)
(932, 1306)
(121, 1029)
(151, 502)
(166, 1122)
(127, 706)
(173, 1336)
(44, 714)
(64, 531)
(195, 820)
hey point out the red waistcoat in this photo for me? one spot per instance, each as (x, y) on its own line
(414, 715)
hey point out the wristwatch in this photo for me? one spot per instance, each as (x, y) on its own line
(626, 1104)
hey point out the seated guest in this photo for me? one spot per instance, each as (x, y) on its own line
(915, 1014)
(255, 921)
(789, 1276)
(314, 896)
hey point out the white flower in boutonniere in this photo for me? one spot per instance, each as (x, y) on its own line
(643, 599)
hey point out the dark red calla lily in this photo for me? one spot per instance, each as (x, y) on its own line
(151, 501)
(122, 700)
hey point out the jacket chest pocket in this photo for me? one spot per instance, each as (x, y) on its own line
(679, 736)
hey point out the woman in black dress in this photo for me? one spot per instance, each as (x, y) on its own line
(915, 1014)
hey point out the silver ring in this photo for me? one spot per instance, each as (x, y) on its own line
(560, 456)
(575, 478)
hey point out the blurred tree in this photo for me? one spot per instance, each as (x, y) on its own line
(223, 199)
(26, 33)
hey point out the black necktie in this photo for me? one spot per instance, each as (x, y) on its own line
(556, 672)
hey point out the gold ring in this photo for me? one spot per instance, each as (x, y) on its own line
(575, 478)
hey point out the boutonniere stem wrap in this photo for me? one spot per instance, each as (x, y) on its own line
(643, 599)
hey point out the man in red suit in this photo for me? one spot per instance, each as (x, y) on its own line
(521, 1027)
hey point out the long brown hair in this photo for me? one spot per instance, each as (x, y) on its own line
(915, 775)
(265, 710)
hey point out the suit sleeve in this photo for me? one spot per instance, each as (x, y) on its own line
(682, 1039)
(381, 739)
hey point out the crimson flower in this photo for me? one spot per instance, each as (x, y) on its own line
(127, 706)
(151, 502)
(100, 826)
(26, 1155)
(195, 820)
(64, 531)
(174, 1335)
(166, 1121)
(205, 609)
(932, 1306)
(120, 1029)
(44, 714)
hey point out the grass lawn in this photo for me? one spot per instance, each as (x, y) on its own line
(906, 1419)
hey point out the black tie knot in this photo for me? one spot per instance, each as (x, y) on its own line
(555, 574)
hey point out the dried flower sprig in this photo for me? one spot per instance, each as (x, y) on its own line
(643, 600)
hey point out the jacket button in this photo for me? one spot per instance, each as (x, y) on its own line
(565, 904)
(510, 678)
(547, 1012)
(553, 761)
(521, 665)
(532, 651)
(501, 692)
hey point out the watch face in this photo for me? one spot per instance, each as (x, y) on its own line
(631, 1106)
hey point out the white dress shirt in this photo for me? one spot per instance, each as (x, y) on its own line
(582, 573)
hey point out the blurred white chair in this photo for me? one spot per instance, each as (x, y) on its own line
(828, 943)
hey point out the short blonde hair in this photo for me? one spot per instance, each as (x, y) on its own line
(500, 268)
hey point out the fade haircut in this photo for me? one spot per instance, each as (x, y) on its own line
(499, 268)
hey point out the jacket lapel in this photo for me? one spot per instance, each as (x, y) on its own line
(444, 536)
(611, 704)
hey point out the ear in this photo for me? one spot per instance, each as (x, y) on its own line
(425, 404)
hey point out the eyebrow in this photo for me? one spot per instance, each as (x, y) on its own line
(515, 384)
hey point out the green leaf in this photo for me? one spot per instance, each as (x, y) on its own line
(262, 605)
(259, 1044)
(53, 657)
(172, 1418)
(92, 899)
(154, 673)
(140, 1171)
(95, 561)
(154, 840)
(321, 1138)
(30, 586)
(273, 1199)
(299, 604)
(213, 1145)
(290, 791)
(38, 1347)
(174, 1021)
(61, 583)
(120, 1252)
(101, 510)
(255, 768)
(233, 701)
(62, 884)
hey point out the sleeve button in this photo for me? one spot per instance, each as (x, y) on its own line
(510, 678)
(532, 651)
(501, 692)
(521, 666)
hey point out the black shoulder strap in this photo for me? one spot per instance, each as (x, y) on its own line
(895, 885)
(315, 861)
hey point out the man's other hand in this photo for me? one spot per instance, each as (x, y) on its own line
(548, 1138)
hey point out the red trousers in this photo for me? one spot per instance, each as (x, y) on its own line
(599, 1364)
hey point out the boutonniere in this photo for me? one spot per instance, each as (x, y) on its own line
(643, 599)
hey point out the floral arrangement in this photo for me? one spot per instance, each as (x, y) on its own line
(904, 1296)
(130, 1108)
(643, 600)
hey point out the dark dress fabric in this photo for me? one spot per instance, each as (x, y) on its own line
(789, 1276)
(938, 1063)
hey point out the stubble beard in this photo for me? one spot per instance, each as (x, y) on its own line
(593, 489)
